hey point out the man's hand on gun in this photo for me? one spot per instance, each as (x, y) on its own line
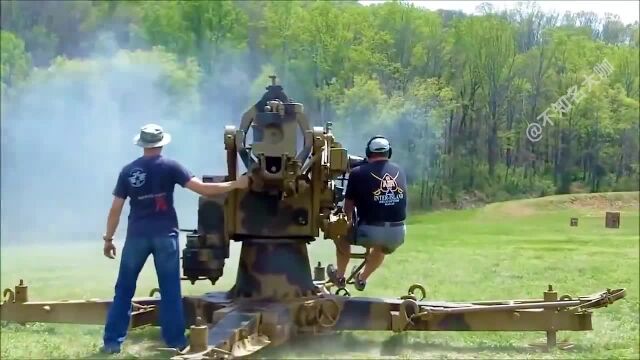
(242, 182)
(109, 249)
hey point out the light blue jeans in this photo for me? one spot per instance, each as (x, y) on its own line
(166, 257)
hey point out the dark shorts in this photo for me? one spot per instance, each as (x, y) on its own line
(387, 237)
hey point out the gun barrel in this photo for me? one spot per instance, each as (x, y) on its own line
(355, 161)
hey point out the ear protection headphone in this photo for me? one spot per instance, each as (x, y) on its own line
(369, 152)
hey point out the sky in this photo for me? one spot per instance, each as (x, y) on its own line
(626, 10)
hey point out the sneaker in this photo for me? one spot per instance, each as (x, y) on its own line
(359, 283)
(180, 347)
(332, 273)
(110, 349)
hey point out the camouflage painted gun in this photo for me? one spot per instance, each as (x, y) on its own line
(294, 195)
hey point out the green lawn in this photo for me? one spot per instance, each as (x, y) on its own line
(505, 250)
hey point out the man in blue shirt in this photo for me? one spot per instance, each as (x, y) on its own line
(377, 189)
(148, 182)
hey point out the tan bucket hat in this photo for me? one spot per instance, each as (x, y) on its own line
(151, 136)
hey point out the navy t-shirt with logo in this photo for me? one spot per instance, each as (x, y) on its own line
(379, 191)
(149, 182)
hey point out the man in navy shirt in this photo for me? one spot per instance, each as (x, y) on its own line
(149, 182)
(377, 189)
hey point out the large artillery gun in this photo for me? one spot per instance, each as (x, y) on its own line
(294, 194)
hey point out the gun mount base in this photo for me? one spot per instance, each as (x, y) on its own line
(225, 327)
(284, 301)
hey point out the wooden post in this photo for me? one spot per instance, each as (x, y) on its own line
(612, 220)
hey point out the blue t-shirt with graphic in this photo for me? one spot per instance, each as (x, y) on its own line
(379, 191)
(148, 182)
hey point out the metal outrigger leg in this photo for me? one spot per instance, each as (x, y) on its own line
(356, 270)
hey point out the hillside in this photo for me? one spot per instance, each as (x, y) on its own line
(580, 204)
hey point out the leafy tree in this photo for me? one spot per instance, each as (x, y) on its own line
(456, 93)
(215, 26)
(15, 63)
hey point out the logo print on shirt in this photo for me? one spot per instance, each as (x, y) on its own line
(161, 203)
(388, 193)
(137, 177)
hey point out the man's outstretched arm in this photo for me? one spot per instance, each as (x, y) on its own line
(211, 189)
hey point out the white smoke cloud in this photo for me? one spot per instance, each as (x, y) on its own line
(68, 132)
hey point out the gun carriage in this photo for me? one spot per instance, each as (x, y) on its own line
(294, 194)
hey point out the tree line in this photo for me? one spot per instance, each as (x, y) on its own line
(501, 105)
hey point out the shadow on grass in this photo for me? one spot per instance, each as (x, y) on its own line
(142, 351)
(145, 344)
(349, 345)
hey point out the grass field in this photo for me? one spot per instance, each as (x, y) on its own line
(504, 250)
